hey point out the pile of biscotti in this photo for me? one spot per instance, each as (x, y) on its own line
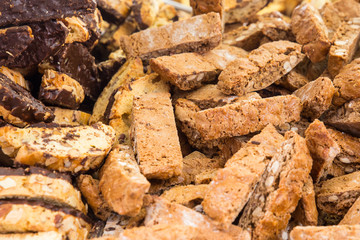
(130, 119)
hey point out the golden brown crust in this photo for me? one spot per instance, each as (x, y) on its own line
(121, 183)
(341, 232)
(189, 196)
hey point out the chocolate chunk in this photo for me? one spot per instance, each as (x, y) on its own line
(13, 41)
(19, 106)
(48, 37)
(22, 11)
(93, 24)
(115, 11)
(76, 61)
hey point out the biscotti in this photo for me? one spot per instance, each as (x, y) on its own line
(121, 183)
(186, 71)
(89, 188)
(323, 149)
(340, 232)
(346, 118)
(316, 97)
(154, 136)
(77, 148)
(121, 108)
(14, 40)
(275, 59)
(115, 11)
(345, 45)
(19, 107)
(197, 34)
(145, 12)
(236, 11)
(346, 83)
(131, 69)
(189, 196)
(23, 216)
(276, 196)
(39, 185)
(61, 90)
(334, 197)
(310, 30)
(15, 76)
(246, 116)
(232, 186)
(70, 117)
(306, 213)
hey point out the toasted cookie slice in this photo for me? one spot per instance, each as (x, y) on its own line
(19, 107)
(61, 90)
(276, 196)
(121, 183)
(34, 236)
(39, 184)
(21, 216)
(77, 148)
(340, 232)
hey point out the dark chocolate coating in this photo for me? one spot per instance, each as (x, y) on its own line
(76, 61)
(59, 97)
(108, 68)
(67, 210)
(16, 12)
(20, 103)
(109, 13)
(13, 41)
(5, 171)
(48, 37)
(92, 26)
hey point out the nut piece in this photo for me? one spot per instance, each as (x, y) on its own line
(60, 89)
(121, 183)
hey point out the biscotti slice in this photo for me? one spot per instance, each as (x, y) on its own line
(345, 45)
(14, 40)
(70, 117)
(189, 196)
(90, 190)
(15, 76)
(21, 216)
(33, 236)
(115, 11)
(78, 31)
(205, 6)
(352, 216)
(162, 211)
(246, 116)
(121, 108)
(316, 97)
(121, 183)
(341, 232)
(19, 107)
(334, 197)
(77, 148)
(306, 213)
(61, 90)
(185, 71)
(348, 160)
(193, 164)
(209, 96)
(276, 196)
(332, 18)
(132, 69)
(154, 136)
(39, 184)
(293, 80)
(246, 37)
(232, 186)
(310, 31)
(145, 12)
(223, 55)
(346, 83)
(275, 59)
(197, 34)
(241, 11)
(346, 118)
(348, 8)
(323, 149)
(170, 232)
